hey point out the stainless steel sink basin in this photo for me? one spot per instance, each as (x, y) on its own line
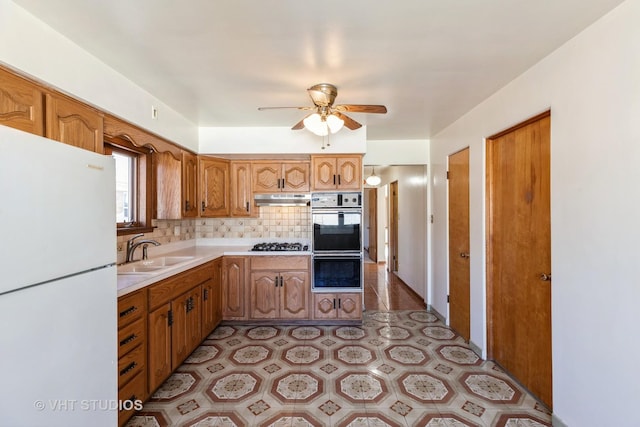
(153, 265)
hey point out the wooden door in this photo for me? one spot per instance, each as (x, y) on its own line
(294, 295)
(349, 170)
(73, 123)
(519, 253)
(233, 295)
(266, 177)
(373, 224)
(241, 194)
(189, 185)
(459, 279)
(21, 105)
(295, 177)
(324, 173)
(264, 298)
(194, 319)
(208, 308)
(393, 226)
(214, 187)
(159, 347)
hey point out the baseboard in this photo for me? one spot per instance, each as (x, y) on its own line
(557, 422)
(430, 309)
(476, 349)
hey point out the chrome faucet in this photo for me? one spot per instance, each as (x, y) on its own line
(131, 247)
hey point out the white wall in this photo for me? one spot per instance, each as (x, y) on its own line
(397, 152)
(31, 47)
(592, 86)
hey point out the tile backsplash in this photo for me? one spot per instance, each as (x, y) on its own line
(274, 222)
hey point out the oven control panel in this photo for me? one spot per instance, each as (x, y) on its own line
(336, 200)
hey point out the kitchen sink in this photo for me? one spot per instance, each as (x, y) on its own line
(153, 265)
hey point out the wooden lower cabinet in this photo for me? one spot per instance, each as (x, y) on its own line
(176, 316)
(233, 288)
(212, 300)
(337, 306)
(132, 351)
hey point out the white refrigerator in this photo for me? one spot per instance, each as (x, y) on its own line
(58, 284)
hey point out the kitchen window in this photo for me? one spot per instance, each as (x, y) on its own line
(133, 184)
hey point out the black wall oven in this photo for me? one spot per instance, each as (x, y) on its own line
(337, 241)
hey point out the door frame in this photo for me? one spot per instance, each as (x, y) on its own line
(372, 215)
(393, 227)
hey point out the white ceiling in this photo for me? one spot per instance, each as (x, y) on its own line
(217, 61)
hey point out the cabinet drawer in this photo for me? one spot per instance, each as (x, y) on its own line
(130, 364)
(131, 307)
(129, 394)
(165, 291)
(131, 336)
(283, 262)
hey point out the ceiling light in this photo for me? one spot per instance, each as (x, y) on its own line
(373, 179)
(322, 125)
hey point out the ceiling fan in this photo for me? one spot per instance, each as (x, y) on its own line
(326, 117)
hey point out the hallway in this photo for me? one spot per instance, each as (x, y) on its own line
(384, 291)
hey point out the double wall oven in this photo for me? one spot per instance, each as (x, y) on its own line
(337, 241)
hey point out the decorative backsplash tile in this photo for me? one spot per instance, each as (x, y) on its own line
(273, 222)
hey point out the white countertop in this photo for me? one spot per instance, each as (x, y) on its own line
(128, 283)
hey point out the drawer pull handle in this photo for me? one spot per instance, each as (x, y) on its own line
(128, 368)
(128, 339)
(128, 311)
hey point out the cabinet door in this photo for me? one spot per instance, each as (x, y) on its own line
(214, 187)
(295, 177)
(233, 291)
(208, 308)
(241, 194)
(168, 176)
(294, 295)
(73, 123)
(194, 319)
(21, 105)
(324, 306)
(267, 177)
(180, 334)
(189, 185)
(324, 173)
(159, 346)
(264, 295)
(216, 295)
(349, 171)
(349, 306)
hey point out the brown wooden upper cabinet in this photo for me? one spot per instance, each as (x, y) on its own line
(214, 187)
(74, 123)
(189, 185)
(276, 177)
(336, 172)
(241, 192)
(21, 104)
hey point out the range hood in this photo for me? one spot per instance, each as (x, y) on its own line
(282, 199)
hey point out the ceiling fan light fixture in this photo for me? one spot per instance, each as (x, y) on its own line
(373, 179)
(335, 123)
(316, 125)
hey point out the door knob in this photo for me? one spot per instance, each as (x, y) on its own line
(464, 255)
(545, 277)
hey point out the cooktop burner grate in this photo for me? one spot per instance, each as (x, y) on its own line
(279, 247)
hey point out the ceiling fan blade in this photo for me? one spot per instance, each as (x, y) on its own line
(280, 108)
(348, 121)
(300, 124)
(352, 108)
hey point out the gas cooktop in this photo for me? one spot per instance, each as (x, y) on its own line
(279, 247)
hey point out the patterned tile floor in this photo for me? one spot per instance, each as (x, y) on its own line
(400, 368)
